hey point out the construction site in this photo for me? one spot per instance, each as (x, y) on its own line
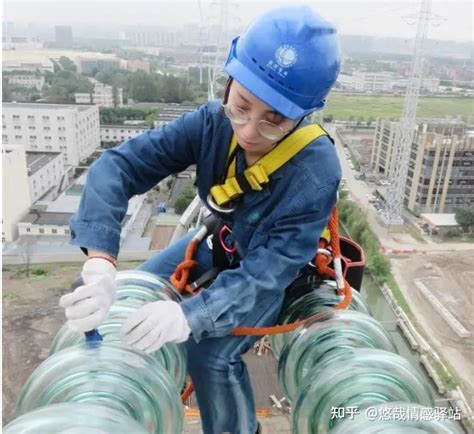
(445, 276)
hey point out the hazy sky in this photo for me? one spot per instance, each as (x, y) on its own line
(376, 17)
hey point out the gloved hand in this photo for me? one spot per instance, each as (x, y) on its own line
(155, 324)
(88, 305)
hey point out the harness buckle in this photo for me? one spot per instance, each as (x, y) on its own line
(215, 207)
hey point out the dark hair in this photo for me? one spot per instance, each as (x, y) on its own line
(226, 94)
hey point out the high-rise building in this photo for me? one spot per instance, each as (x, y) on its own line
(63, 36)
(155, 38)
(72, 130)
(441, 168)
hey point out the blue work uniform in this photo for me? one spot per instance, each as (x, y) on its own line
(276, 232)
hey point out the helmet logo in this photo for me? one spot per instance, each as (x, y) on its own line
(286, 56)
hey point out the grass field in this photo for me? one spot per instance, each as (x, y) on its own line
(355, 107)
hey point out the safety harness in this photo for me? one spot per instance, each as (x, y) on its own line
(223, 195)
(258, 174)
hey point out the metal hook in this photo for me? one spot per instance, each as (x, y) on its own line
(228, 249)
(215, 207)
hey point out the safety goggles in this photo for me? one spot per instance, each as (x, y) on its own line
(265, 128)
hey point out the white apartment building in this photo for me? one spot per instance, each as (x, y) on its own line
(54, 220)
(72, 130)
(170, 112)
(346, 81)
(26, 80)
(103, 96)
(45, 172)
(16, 193)
(429, 84)
(119, 133)
(372, 81)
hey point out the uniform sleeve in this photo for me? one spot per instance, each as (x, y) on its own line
(265, 271)
(129, 169)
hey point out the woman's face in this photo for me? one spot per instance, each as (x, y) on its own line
(248, 136)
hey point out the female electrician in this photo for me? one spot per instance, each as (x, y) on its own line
(280, 70)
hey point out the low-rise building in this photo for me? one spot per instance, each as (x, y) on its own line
(346, 81)
(428, 84)
(54, 219)
(91, 65)
(439, 224)
(45, 173)
(31, 81)
(372, 81)
(170, 112)
(103, 96)
(72, 130)
(115, 134)
(16, 193)
(23, 60)
(137, 65)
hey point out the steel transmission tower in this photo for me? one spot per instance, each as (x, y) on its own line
(222, 15)
(393, 214)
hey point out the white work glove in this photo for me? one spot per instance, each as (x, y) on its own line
(155, 324)
(88, 305)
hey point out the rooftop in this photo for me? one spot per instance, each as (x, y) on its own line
(53, 218)
(37, 160)
(47, 218)
(126, 126)
(440, 219)
(32, 105)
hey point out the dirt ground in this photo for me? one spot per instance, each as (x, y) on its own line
(360, 142)
(31, 319)
(449, 277)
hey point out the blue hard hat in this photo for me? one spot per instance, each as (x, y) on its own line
(288, 58)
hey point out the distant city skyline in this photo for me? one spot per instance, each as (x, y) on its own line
(375, 17)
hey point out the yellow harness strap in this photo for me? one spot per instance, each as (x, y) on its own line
(258, 173)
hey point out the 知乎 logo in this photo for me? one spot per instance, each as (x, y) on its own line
(286, 56)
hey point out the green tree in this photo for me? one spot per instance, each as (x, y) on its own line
(117, 115)
(380, 266)
(184, 199)
(64, 84)
(465, 218)
(67, 64)
(115, 95)
(6, 89)
(143, 87)
(358, 226)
